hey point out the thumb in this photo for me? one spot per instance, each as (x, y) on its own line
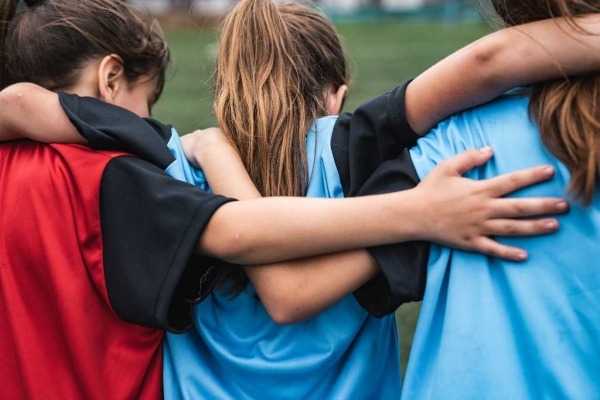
(466, 160)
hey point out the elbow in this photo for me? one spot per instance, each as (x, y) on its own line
(13, 101)
(285, 307)
(229, 247)
(286, 315)
(488, 55)
(15, 95)
(11, 97)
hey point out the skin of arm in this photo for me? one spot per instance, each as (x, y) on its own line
(508, 58)
(500, 61)
(25, 98)
(291, 291)
(26, 107)
(295, 290)
(264, 231)
(491, 58)
(444, 208)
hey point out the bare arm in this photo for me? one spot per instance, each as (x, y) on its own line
(291, 290)
(509, 58)
(30, 111)
(297, 289)
(478, 73)
(444, 208)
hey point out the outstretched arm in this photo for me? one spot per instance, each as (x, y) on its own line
(297, 289)
(291, 291)
(509, 58)
(444, 208)
(478, 73)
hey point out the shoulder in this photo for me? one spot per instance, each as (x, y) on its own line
(498, 123)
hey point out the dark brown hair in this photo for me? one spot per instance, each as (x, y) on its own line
(567, 111)
(50, 42)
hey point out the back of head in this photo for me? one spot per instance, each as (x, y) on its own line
(273, 68)
(567, 111)
(274, 65)
(51, 41)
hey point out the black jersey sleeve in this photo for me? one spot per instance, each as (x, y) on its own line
(377, 131)
(108, 127)
(150, 225)
(403, 266)
(369, 148)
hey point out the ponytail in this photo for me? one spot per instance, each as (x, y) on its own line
(9, 8)
(273, 68)
(259, 100)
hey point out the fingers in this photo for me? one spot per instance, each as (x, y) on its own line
(492, 248)
(528, 207)
(515, 227)
(507, 183)
(465, 161)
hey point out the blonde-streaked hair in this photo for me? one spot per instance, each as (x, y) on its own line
(566, 110)
(274, 66)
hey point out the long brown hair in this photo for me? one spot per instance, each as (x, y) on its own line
(273, 68)
(274, 65)
(49, 42)
(567, 111)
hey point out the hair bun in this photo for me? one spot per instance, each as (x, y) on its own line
(31, 3)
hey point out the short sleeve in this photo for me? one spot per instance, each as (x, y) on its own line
(108, 127)
(403, 266)
(151, 224)
(370, 151)
(377, 131)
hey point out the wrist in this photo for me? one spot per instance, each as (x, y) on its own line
(418, 220)
(409, 212)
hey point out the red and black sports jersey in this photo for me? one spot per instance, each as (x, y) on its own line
(93, 248)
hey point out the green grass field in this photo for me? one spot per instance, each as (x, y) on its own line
(382, 55)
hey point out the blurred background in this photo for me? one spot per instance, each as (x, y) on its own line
(387, 42)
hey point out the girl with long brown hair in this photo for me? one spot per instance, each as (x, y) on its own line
(486, 328)
(280, 72)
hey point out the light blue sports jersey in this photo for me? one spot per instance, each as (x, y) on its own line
(491, 329)
(235, 351)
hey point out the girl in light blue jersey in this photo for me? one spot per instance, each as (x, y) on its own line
(277, 100)
(490, 330)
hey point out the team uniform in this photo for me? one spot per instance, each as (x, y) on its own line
(92, 256)
(493, 329)
(236, 351)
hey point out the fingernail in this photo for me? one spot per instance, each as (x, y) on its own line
(549, 171)
(551, 225)
(562, 206)
(522, 256)
(486, 150)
